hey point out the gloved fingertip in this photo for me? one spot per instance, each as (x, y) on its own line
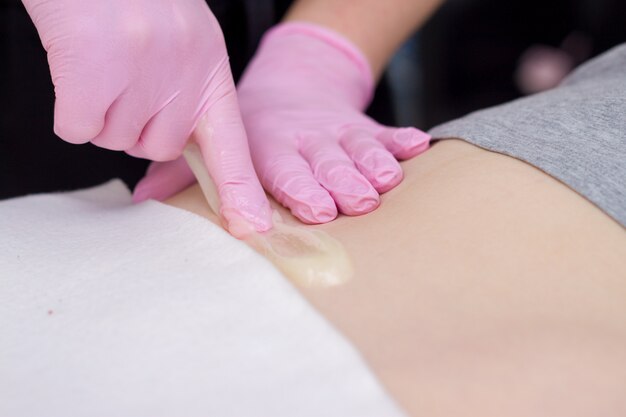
(387, 179)
(139, 196)
(242, 222)
(406, 142)
(368, 205)
(315, 214)
(239, 227)
(413, 140)
(361, 205)
(144, 192)
(76, 134)
(409, 135)
(146, 189)
(76, 122)
(262, 222)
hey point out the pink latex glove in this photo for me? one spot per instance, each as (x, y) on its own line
(302, 99)
(139, 76)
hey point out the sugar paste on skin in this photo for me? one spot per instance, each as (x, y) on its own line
(310, 258)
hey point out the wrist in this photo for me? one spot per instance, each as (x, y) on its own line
(316, 56)
(331, 38)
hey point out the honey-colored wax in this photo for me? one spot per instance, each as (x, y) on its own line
(307, 257)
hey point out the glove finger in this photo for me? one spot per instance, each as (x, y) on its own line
(80, 108)
(124, 123)
(372, 159)
(165, 135)
(335, 171)
(404, 143)
(163, 180)
(223, 141)
(290, 180)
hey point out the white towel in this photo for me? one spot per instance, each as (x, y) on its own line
(113, 309)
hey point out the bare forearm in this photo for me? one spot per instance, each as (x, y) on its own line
(377, 27)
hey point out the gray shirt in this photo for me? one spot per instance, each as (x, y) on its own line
(575, 132)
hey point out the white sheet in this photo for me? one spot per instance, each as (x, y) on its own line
(109, 309)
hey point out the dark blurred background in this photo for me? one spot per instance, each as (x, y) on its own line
(471, 51)
(472, 54)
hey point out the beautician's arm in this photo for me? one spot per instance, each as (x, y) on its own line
(376, 27)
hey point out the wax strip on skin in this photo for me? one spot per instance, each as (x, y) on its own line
(310, 258)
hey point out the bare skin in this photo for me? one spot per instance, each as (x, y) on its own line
(483, 287)
(377, 28)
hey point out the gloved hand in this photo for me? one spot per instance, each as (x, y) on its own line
(138, 76)
(302, 99)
